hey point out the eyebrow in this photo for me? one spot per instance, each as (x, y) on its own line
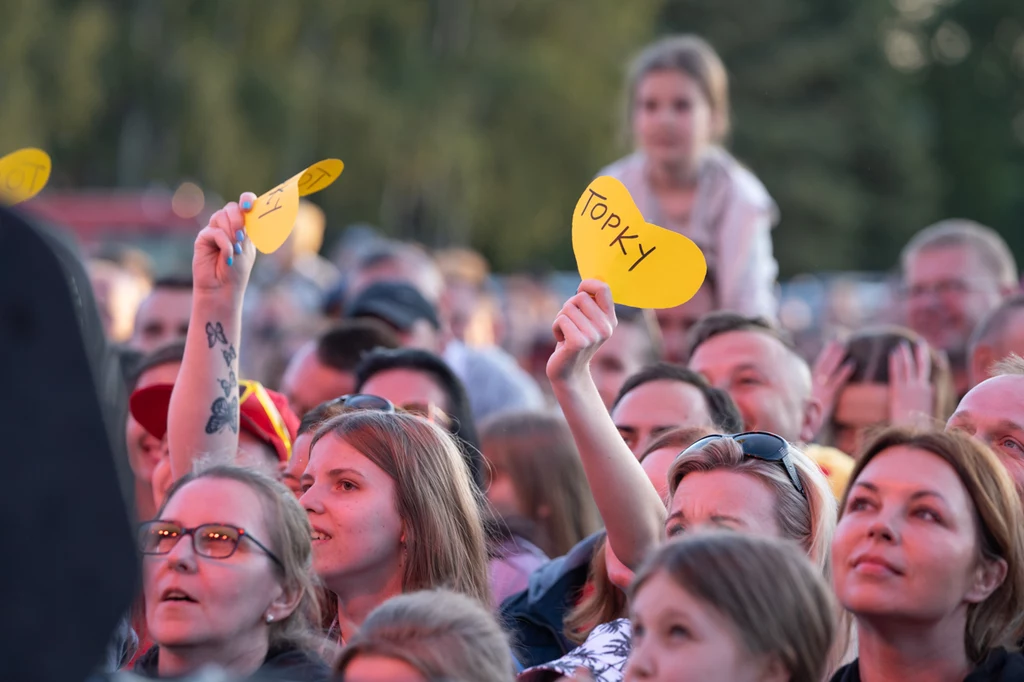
(914, 496)
(333, 473)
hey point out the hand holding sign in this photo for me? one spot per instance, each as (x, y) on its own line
(22, 174)
(272, 217)
(645, 266)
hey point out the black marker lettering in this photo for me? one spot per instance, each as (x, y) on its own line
(607, 223)
(592, 195)
(643, 254)
(278, 191)
(623, 235)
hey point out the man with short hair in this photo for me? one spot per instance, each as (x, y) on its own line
(993, 412)
(325, 368)
(402, 308)
(954, 273)
(163, 316)
(493, 378)
(752, 361)
(758, 366)
(634, 344)
(663, 397)
(1000, 334)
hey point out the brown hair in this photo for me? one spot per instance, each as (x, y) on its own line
(809, 521)
(693, 57)
(539, 455)
(869, 351)
(289, 539)
(777, 602)
(999, 620)
(434, 496)
(680, 437)
(605, 602)
(442, 634)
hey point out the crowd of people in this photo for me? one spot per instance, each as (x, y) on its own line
(371, 467)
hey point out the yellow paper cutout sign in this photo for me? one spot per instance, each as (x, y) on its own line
(273, 215)
(645, 266)
(23, 174)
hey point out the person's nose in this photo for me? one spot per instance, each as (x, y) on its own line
(641, 664)
(310, 501)
(182, 556)
(883, 529)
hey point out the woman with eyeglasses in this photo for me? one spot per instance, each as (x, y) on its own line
(391, 501)
(753, 482)
(929, 558)
(227, 580)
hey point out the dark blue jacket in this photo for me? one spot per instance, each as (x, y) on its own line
(535, 616)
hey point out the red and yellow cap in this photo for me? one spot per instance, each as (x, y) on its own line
(262, 412)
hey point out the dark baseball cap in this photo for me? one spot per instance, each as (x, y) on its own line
(397, 303)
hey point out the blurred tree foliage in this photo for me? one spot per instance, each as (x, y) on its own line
(481, 121)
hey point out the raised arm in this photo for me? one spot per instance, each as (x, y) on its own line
(203, 415)
(633, 512)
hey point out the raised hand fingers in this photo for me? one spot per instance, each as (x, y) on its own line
(829, 359)
(602, 323)
(601, 293)
(219, 239)
(924, 362)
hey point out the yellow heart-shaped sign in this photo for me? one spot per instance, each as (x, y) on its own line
(273, 215)
(645, 266)
(22, 174)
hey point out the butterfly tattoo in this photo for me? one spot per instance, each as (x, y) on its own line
(229, 355)
(224, 413)
(215, 333)
(228, 385)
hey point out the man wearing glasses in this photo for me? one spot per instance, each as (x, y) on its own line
(954, 274)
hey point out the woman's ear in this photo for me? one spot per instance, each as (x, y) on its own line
(284, 604)
(988, 576)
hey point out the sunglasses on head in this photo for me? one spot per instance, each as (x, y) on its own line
(759, 445)
(364, 401)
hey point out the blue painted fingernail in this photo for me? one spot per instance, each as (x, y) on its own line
(246, 204)
(230, 261)
(238, 248)
(240, 236)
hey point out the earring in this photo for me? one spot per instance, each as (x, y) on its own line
(270, 618)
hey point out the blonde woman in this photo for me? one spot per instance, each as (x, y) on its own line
(682, 178)
(752, 482)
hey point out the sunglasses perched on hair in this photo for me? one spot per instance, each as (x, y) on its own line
(759, 445)
(365, 401)
(211, 540)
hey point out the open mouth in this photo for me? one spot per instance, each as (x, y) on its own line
(176, 595)
(319, 536)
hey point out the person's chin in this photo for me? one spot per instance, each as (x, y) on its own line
(176, 632)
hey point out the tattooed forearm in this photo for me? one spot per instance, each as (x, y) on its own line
(223, 411)
(215, 334)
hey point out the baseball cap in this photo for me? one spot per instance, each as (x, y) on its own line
(262, 412)
(397, 303)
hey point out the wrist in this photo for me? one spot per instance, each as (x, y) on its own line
(216, 302)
